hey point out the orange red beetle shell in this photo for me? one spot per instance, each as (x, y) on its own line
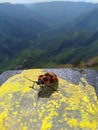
(47, 78)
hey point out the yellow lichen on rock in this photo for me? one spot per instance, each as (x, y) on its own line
(73, 106)
(9, 104)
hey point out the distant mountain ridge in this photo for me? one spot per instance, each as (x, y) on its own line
(47, 34)
(18, 17)
(60, 12)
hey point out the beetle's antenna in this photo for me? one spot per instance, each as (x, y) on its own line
(30, 79)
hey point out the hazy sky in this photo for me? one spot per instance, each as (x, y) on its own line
(34, 1)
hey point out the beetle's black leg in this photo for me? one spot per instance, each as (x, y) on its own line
(32, 86)
(42, 86)
(52, 88)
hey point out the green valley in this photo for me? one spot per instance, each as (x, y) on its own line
(33, 36)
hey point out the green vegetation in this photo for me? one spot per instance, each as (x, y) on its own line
(32, 38)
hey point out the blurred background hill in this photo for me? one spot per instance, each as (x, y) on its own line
(51, 34)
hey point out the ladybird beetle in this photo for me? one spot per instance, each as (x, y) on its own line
(46, 79)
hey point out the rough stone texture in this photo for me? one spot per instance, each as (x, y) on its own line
(5, 75)
(74, 76)
(73, 106)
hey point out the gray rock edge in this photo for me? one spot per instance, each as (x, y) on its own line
(72, 75)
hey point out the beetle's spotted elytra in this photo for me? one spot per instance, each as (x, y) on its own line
(47, 79)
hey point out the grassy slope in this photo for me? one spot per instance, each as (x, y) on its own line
(51, 49)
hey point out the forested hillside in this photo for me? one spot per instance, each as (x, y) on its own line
(51, 34)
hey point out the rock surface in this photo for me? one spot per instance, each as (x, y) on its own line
(73, 107)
